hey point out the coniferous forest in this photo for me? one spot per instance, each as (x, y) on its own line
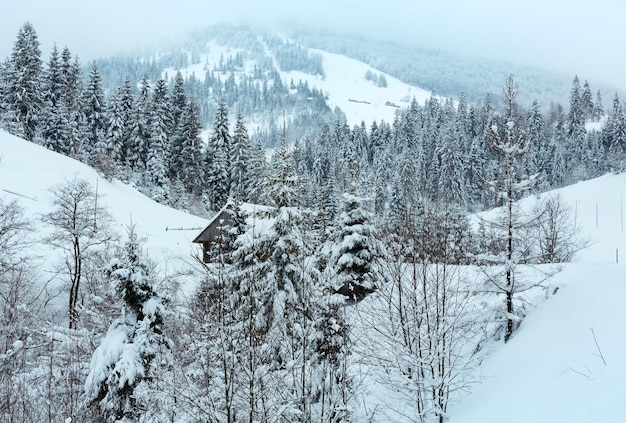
(356, 227)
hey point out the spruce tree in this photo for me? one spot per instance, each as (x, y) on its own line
(94, 110)
(240, 162)
(23, 96)
(54, 114)
(217, 159)
(133, 354)
(186, 152)
(356, 251)
(158, 148)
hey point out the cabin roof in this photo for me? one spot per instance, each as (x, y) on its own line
(208, 233)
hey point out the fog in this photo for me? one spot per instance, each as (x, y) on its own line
(572, 37)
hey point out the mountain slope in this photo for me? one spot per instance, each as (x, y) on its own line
(28, 172)
(566, 361)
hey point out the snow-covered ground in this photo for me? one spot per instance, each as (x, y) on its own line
(553, 369)
(28, 172)
(567, 361)
(344, 83)
(359, 99)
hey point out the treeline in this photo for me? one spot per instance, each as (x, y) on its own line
(147, 131)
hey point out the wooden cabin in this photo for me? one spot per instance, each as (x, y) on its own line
(207, 237)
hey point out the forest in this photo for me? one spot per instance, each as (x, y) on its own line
(358, 229)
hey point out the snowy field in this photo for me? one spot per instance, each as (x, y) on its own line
(553, 370)
(567, 361)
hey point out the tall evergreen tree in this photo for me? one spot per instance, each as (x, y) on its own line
(158, 148)
(140, 135)
(356, 251)
(240, 162)
(186, 154)
(178, 99)
(217, 159)
(23, 95)
(54, 114)
(94, 109)
(120, 123)
(128, 363)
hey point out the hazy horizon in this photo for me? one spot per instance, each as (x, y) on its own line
(562, 36)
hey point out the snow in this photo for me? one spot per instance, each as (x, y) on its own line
(361, 100)
(29, 171)
(565, 363)
(344, 83)
(552, 369)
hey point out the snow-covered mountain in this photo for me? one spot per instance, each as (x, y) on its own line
(566, 361)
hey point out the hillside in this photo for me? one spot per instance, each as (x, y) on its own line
(565, 363)
(28, 172)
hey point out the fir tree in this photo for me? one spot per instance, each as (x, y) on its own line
(125, 367)
(54, 113)
(156, 155)
(186, 153)
(23, 96)
(240, 162)
(217, 159)
(120, 123)
(94, 109)
(140, 135)
(356, 251)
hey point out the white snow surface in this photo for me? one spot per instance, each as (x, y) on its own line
(552, 370)
(361, 100)
(29, 171)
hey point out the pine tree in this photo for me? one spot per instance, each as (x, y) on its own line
(120, 123)
(140, 135)
(217, 159)
(159, 143)
(356, 252)
(54, 114)
(71, 99)
(240, 162)
(94, 109)
(614, 136)
(587, 101)
(23, 96)
(178, 99)
(186, 153)
(598, 109)
(125, 367)
(576, 128)
(451, 175)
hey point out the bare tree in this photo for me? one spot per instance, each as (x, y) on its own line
(425, 331)
(81, 225)
(555, 235)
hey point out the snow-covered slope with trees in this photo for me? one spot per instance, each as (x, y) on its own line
(565, 362)
(29, 173)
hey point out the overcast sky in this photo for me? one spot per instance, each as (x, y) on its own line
(571, 36)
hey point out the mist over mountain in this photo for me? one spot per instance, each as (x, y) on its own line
(256, 225)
